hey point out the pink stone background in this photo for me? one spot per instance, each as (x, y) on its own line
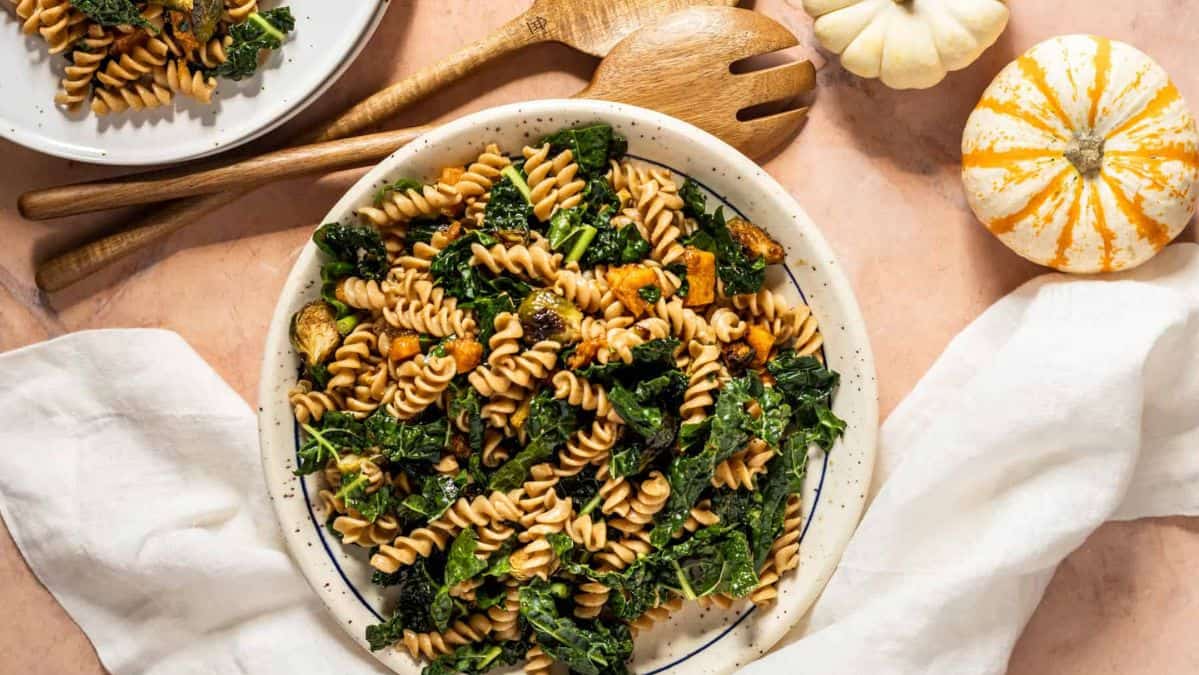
(877, 169)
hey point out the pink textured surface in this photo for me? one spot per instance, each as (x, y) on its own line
(877, 169)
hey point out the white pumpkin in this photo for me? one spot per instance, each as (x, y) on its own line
(910, 44)
(1082, 156)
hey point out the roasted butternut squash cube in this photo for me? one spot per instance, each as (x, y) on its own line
(626, 282)
(756, 241)
(701, 277)
(404, 346)
(467, 353)
(762, 340)
(584, 353)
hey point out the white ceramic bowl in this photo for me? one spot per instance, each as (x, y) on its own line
(327, 38)
(691, 641)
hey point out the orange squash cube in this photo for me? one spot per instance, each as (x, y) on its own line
(701, 277)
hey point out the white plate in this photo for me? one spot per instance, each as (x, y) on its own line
(691, 641)
(328, 36)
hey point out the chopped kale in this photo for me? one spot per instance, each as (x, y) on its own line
(261, 31)
(507, 212)
(598, 650)
(416, 590)
(438, 493)
(113, 13)
(592, 146)
(550, 422)
(478, 657)
(358, 248)
(784, 478)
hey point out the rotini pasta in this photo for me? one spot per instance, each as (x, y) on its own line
(137, 56)
(497, 412)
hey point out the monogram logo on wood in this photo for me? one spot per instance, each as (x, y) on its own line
(538, 26)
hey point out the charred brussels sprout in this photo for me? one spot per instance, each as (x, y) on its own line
(314, 332)
(545, 315)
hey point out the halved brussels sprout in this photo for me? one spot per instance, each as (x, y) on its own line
(545, 315)
(314, 332)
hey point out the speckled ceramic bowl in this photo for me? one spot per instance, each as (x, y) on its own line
(692, 641)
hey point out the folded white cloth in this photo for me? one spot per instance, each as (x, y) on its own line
(1068, 403)
(129, 478)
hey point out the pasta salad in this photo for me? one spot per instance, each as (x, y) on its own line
(137, 54)
(552, 397)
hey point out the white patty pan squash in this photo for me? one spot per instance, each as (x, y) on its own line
(1082, 156)
(909, 44)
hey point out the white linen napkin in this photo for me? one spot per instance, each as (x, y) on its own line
(1068, 403)
(129, 478)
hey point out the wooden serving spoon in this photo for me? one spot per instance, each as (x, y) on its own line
(659, 66)
(590, 26)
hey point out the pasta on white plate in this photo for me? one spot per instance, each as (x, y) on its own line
(138, 54)
(550, 394)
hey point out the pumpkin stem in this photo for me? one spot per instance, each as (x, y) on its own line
(1085, 152)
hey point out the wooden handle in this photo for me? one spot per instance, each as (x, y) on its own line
(387, 102)
(75, 265)
(158, 186)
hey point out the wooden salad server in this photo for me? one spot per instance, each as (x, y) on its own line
(660, 66)
(591, 26)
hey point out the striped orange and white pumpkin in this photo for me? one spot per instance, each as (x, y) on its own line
(1082, 156)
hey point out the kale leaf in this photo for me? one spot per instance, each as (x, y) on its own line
(461, 564)
(438, 493)
(582, 488)
(568, 229)
(507, 212)
(452, 271)
(616, 246)
(630, 459)
(592, 146)
(784, 477)
(416, 591)
(359, 248)
(689, 476)
(260, 31)
(335, 431)
(464, 399)
(649, 359)
(113, 13)
(372, 505)
(407, 441)
(478, 657)
(486, 309)
(737, 508)
(809, 386)
(611, 245)
(731, 427)
(598, 650)
(549, 424)
(721, 566)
